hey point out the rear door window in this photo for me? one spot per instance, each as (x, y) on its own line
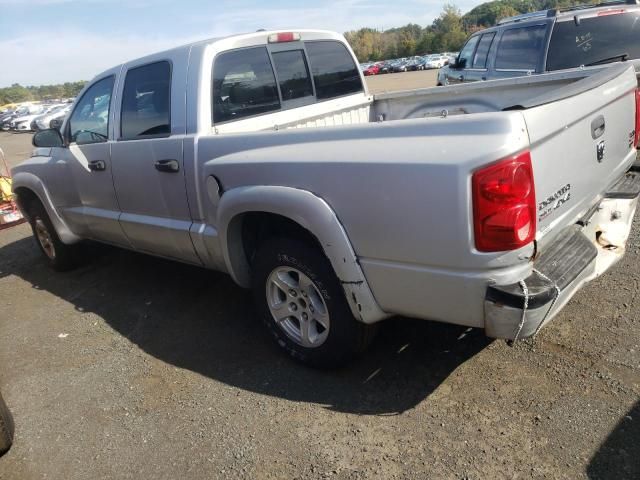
(594, 40)
(521, 48)
(333, 69)
(466, 54)
(243, 85)
(146, 102)
(293, 74)
(482, 52)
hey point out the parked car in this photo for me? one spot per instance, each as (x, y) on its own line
(43, 122)
(23, 123)
(6, 119)
(6, 116)
(385, 67)
(466, 217)
(436, 61)
(549, 40)
(413, 64)
(371, 70)
(20, 119)
(419, 63)
(402, 66)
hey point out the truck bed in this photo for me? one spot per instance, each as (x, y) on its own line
(479, 97)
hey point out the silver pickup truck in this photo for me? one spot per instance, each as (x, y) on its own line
(263, 155)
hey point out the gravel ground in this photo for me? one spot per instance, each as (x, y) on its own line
(135, 367)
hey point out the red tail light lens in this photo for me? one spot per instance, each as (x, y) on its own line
(504, 204)
(637, 139)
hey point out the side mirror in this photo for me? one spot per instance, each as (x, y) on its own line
(48, 138)
(453, 63)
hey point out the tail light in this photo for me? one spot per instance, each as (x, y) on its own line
(637, 138)
(283, 37)
(504, 204)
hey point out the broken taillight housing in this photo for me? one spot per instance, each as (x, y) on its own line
(504, 204)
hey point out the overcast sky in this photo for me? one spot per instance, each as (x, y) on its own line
(55, 41)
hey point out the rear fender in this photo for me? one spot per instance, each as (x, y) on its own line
(310, 212)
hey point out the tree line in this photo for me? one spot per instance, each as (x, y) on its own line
(447, 33)
(17, 93)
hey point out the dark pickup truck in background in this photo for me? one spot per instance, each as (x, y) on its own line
(549, 40)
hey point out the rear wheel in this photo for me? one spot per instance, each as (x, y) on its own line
(303, 305)
(59, 256)
(6, 427)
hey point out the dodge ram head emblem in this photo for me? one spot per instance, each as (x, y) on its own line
(600, 151)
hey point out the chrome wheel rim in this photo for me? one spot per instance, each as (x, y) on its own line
(297, 307)
(44, 238)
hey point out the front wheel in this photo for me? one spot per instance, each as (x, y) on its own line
(59, 256)
(303, 304)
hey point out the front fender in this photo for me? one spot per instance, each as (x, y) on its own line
(310, 212)
(32, 183)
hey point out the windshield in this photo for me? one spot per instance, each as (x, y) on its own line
(595, 39)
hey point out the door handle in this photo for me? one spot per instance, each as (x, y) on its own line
(597, 127)
(168, 166)
(97, 165)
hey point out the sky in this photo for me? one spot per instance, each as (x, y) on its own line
(55, 41)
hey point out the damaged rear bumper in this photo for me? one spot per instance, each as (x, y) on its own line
(578, 254)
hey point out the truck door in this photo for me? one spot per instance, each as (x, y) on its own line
(457, 73)
(91, 207)
(477, 70)
(148, 161)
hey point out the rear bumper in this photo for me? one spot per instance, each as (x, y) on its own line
(579, 254)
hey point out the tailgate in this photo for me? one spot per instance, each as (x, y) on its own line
(581, 143)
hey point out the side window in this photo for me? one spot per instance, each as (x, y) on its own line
(466, 54)
(89, 122)
(521, 48)
(146, 102)
(482, 52)
(293, 74)
(333, 69)
(243, 85)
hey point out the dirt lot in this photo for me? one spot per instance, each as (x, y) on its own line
(402, 81)
(134, 367)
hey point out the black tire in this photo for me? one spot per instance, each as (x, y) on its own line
(346, 336)
(64, 256)
(6, 427)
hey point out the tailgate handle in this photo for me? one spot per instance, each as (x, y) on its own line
(597, 127)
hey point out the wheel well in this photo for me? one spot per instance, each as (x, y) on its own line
(259, 226)
(25, 199)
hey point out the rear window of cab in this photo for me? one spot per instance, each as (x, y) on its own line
(252, 81)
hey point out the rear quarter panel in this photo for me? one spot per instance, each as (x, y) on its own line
(401, 189)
